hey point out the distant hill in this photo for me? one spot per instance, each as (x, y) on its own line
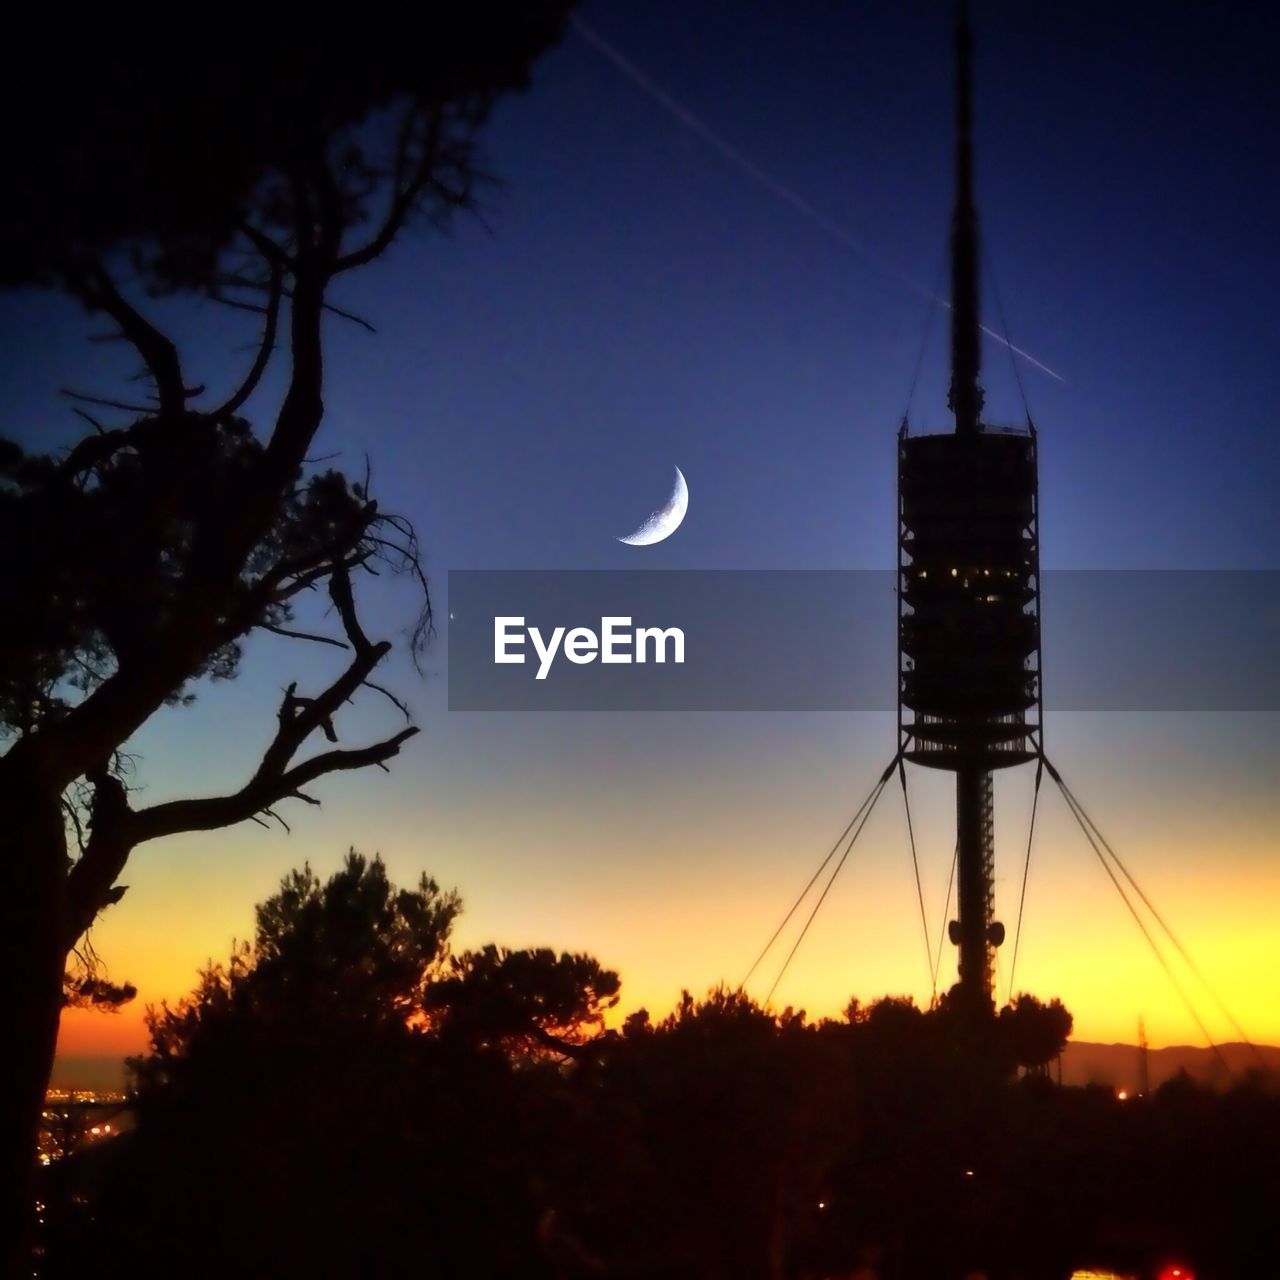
(1116, 1065)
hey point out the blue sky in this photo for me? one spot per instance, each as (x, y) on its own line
(640, 302)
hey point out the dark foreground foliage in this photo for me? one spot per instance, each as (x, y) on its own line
(347, 1097)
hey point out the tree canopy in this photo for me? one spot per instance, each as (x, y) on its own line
(170, 150)
(320, 1072)
(254, 167)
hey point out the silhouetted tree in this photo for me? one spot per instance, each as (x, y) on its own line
(727, 1140)
(704, 1140)
(311, 1109)
(1034, 1033)
(257, 167)
(352, 953)
(526, 1002)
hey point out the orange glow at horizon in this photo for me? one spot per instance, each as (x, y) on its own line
(672, 860)
(1078, 944)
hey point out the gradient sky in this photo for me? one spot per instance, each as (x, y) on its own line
(642, 302)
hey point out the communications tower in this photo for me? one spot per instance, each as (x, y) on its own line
(969, 697)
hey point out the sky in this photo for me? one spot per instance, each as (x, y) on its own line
(752, 311)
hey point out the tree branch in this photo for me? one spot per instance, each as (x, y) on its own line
(303, 407)
(223, 811)
(242, 282)
(97, 289)
(95, 450)
(91, 881)
(405, 191)
(266, 246)
(276, 778)
(302, 635)
(391, 697)
(123, 405)
(265, 348)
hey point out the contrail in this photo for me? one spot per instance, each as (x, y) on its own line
(695, 124)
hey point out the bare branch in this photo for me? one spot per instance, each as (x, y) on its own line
(265, 349)
(302, 635)
(243, 282)
(266, 246)
(214, 812)
(344, 601)
(90, 419)
(73, 814)
(276, 777)
(391, 697)
(235, 304)
(122, 405)
(351, 316)
(271, 813)
(406, 189)
(285, 580)
(98, 290)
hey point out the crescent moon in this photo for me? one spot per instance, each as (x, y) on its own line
(666, 520)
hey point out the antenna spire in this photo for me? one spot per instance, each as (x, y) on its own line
(965, 398)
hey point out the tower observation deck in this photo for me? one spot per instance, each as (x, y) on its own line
(969, 696)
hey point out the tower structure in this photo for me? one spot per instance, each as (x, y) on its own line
(969, 696)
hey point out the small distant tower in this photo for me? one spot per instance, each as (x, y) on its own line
(1144, 1077)
(968, 587)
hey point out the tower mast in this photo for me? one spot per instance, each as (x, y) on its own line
(965, 399)
(975, 818)
(968, 587)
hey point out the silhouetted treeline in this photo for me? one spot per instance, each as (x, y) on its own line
(348, 1097)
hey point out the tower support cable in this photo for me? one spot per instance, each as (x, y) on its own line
(813, 879)
(822, 897)
(1137, 917)
(915, 866)
(1159, 919)
(946, 913)
(1026, 869)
